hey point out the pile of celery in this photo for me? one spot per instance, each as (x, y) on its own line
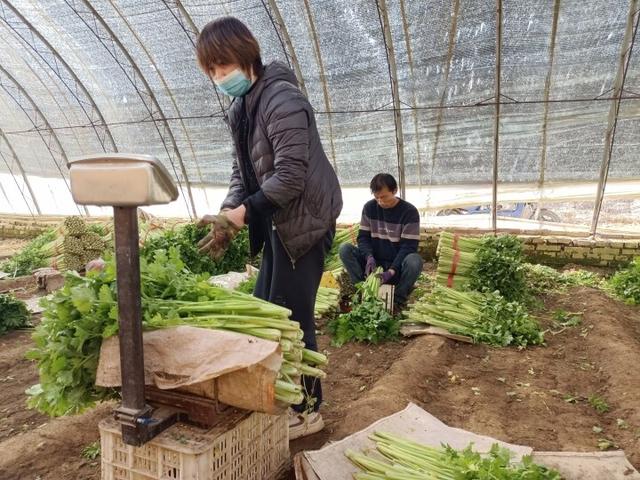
(401, 459)
(485, 317)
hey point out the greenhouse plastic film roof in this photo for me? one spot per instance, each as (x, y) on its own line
(87, 76)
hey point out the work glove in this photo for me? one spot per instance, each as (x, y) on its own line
(96, 264)
(370, 266)
(386, 276)
(222, 233)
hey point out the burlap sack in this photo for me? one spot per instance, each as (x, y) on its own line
(239, 370)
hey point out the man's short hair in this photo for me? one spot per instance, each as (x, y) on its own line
(382, 180)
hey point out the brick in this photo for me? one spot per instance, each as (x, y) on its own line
(592, 254)
(604, 263)
(631, 244)
(630, 251)
(608, 251)
(624, 258)
(537, 240)
(561, 240)
(584, 243)
(607, 257)
(603, 243)
(549, 248)
(528, 248)
(580, 255)
(576, 249)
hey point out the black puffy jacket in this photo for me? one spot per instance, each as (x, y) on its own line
(290, 165)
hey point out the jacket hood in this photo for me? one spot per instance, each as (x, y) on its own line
(273, 72)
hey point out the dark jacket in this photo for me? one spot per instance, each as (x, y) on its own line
(291, 167)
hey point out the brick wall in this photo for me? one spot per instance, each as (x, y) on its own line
(558, 251)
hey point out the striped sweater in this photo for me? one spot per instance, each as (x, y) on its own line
(389, 234)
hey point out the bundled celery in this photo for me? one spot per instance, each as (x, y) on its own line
(485, 317)
(402, 459)
(456, 257)
(368, 321)
(347, 235)
(483, 264)
(32, 256)
(76, 243)
(85, 311)
(327, 300)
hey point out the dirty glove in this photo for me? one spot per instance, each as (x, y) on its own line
(97, 264)
(217, 241)
(387, 275)
(370, 266)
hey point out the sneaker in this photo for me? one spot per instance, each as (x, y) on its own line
(398, 308)
(303, 424)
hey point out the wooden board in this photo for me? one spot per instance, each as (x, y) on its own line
(413, 329)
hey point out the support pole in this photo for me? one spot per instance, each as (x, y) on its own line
(125, 221)
(395, 92)
(623, 65)
(496, 130)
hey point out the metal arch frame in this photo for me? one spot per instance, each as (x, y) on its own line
(169, 93)
(36, 116)
(626, 49)
(395, 92)
(323, 78)
(45, 85)
(281, 27)
(4, 194)
(547, 92)
(94, 22)
(3, 138)
(407, 41)
(192, 31)
(50, 56)
(277, 32)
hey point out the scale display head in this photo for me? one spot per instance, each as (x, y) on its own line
(120, 180)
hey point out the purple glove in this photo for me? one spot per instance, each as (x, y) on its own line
(370, 266)
(387, 275)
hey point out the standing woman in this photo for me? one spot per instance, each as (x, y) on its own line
(282, 184)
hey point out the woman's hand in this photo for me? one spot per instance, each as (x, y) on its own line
(236, 216)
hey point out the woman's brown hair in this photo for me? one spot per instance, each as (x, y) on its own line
(225, 41)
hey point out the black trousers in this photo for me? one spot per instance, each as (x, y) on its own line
(295, 286)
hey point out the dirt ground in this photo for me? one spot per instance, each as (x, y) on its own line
(536, 397)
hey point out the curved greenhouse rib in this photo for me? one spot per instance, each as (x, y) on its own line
(169, 93)
(192, 31)
(48, 84)
(633, 19)
(16, 159)
(282, 31)
(323, 78)
(395, 93)
(19, 95)
(50, 56)
(103, 33)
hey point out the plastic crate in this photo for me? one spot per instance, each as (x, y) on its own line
(243, 446)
